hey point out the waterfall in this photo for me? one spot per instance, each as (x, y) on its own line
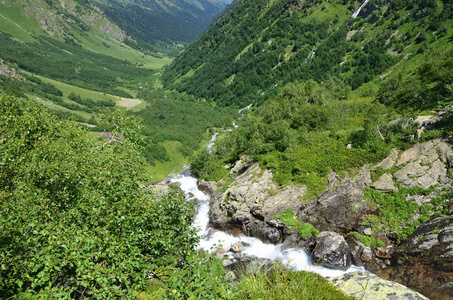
(357, 12)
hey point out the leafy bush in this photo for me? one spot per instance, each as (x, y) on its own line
(74, 222)
(306, 230)
(369, 241)
(396, 213)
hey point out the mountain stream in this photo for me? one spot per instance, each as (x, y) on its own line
(212, 239)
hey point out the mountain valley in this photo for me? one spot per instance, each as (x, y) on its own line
(331, 124)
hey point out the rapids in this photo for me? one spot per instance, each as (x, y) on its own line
(212, 240)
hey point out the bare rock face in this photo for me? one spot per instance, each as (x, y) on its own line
(424, 164)
(252, 200)
(6, 71)
(340, 209)
(424, 261)
(332, 251)
(255, 195)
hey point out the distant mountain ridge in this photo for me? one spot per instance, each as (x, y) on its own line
(150, 23)
(168, 24)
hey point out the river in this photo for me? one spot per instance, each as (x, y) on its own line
(212, 240)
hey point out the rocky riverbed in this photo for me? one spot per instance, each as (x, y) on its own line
(423, 261)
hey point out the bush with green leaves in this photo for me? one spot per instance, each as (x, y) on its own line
(306, 230)
(396, 214)
(74, 221)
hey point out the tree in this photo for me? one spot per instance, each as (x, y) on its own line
(74, 221)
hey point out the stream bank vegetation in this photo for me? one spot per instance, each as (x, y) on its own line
(308, 131)
(76, 223)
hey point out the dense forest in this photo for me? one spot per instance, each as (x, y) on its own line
(163, 25)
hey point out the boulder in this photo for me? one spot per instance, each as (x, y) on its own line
(342, 207)
(241, 166)
(332, 251)
(249, 265)
(361, 285)
(385, 183)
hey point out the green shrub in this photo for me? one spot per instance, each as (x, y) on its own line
(369, 241)
(74, 221)
(396, 214)
(306, 230)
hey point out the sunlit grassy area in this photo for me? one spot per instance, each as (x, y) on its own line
(159, 172)
(16, 24)
(98, 43)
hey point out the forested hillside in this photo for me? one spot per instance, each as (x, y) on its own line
(262, 45)
(322, 80)
(166, 24)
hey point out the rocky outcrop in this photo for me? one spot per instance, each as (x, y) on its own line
(342, 207)
(7, 71)
(369, 286)
(424, 261)
(332, 251)
(252, 200)
(422, 165)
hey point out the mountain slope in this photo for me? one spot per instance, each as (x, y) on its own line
(262, 45)
(167, 24)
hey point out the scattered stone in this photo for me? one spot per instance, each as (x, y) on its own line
(367, 231)
(226, 263)
(385, 183)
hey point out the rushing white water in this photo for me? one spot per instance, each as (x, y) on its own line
(211, 142)
(245, 108)
(213, 240)
(357, 12)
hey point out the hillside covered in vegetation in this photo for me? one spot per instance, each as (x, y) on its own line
(93, 109)
(82, 62)
(261, 46)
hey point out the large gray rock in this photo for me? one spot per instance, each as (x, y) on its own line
(332, 251)
(362, 285)
(241, 166)
(424, 164)
(254, 196)
(385, 183)
(342, 207)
